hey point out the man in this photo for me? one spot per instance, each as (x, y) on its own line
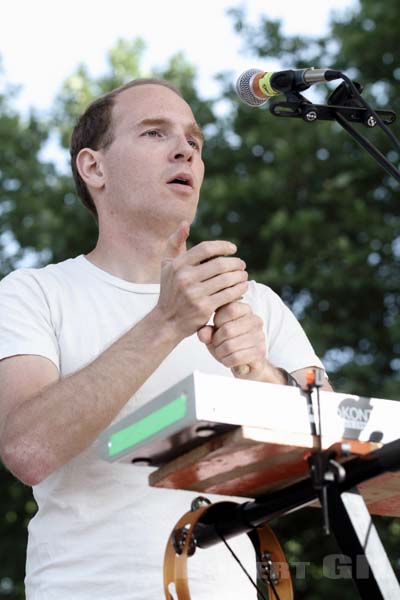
(85, 342)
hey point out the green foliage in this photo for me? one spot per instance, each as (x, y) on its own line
(317, 220)
(17, 508)
(23, 179)
(312, 214)
(79, 89)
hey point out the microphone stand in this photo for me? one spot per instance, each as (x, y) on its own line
(345, 108)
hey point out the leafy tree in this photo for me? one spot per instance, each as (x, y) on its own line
(23, 180)
(313, 216)
(317, 220)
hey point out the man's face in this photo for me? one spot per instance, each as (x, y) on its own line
(153, 168)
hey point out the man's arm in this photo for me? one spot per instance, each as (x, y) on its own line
(45, 422)
(50, 421)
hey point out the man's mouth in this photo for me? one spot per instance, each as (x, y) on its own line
(182, 180)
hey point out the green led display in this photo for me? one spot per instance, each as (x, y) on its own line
(132, 435)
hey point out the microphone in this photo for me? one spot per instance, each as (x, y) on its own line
(255, 87)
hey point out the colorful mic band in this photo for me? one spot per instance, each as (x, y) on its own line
(265, 85)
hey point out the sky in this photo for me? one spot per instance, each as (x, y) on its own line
(42, 41)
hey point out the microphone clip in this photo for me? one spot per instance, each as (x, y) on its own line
(341, 102)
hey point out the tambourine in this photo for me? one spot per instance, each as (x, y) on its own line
(273, 576)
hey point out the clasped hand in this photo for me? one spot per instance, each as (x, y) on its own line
(237, 340)
(205, 281)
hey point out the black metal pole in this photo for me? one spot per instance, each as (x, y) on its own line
(370, 148)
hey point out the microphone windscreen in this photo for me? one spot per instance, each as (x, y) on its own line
(244, 88)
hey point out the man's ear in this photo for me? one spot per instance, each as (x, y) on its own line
(88, 163)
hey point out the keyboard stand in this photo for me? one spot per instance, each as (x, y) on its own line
(350, 522)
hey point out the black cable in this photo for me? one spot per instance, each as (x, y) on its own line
(260, 592)
(319, 418)
(366, 105)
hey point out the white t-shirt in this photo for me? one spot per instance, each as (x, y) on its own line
(100, 531)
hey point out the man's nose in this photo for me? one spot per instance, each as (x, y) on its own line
(182, 149)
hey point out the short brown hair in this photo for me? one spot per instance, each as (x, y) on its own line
(94, 129)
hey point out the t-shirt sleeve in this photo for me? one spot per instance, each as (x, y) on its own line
(287, 343)
(25, 318)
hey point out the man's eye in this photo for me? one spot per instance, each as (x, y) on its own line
(152, 133)
(194, 144)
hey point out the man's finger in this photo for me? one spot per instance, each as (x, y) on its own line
(205, 334)
(176, 243)
(217, 266)
(229, 295)
(233, 328)
(207, 250)
(231, 312)
(241, 371)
